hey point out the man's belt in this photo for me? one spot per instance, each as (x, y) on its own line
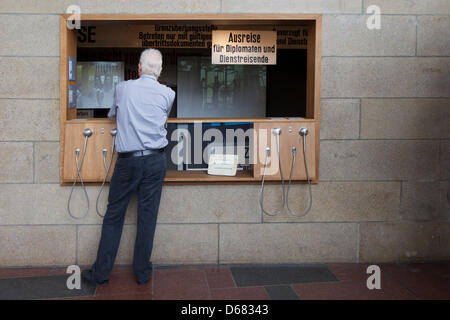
(139, 153)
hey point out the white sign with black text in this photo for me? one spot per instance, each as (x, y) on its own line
(222, 164)
(244, 47)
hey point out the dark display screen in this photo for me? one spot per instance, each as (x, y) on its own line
(96, 82)
(219, 91)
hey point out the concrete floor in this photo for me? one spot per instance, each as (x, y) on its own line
(340, 281)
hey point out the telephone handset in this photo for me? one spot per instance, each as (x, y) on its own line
(87, 133)
(107, 168)
(277, 133)
(303, 133)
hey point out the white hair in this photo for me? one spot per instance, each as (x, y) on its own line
(151, 62)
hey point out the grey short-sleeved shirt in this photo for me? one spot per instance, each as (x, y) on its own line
(141, 108)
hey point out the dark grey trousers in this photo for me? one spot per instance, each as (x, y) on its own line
(145, 175)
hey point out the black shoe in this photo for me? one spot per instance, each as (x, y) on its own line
(142, 283)
(88, 276)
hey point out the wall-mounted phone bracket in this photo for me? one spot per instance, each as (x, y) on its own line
(93, 167)
(290, 137)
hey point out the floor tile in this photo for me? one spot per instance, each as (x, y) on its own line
(219, 277)
(122, 269)
(275, 275)
(124, 282)
(439, 269)
(349, 290)
(126, 296)
(249, 293)
(165, 266)
(349, 271)
(358, 273)
(129, 296)
(23, 272)
(75, 298)
(283, 292)
(193, 267)
(178, 285)
(58, 271)
(425, 285)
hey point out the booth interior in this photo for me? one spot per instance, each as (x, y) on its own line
(233, 101)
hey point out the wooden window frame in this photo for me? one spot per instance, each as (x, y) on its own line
(68, 47)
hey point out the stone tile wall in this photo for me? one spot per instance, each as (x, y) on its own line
(384, 191)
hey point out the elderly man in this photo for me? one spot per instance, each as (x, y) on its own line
(141, 109)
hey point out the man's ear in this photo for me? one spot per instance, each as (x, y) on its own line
(139, 69)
